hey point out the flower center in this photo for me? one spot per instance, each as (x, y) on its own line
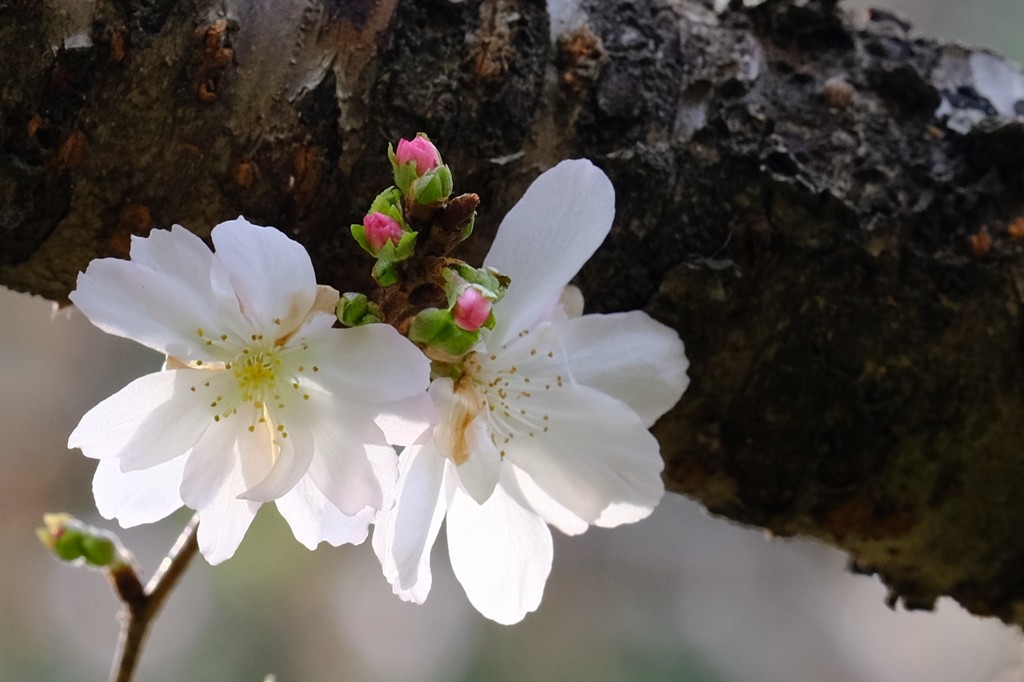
(516, 385)
(266, 375)
(256, 374)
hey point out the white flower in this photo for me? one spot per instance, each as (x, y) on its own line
(547, 424)
(260, 399)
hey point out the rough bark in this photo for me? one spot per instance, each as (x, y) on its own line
(831, 216)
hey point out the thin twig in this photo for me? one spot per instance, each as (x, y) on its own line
(142, 606)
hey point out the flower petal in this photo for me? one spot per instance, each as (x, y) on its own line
(500, 551)
(223, 524)
(373, 362)
(404, 534)
(631, 357)
(175, 251)
(293, 439)
(546, 506)
(216, 473)
(463, 436)
(348, 464)
(615, 514)
(546, 238)
(595, 452)
(405, 421)
(479, 474)
(159, 309)
(314, 519)
(137, 497)
(228, 458)
(270, 274)
(151, 420)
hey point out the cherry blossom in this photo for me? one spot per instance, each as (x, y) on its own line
(261, 399)
(545, 423)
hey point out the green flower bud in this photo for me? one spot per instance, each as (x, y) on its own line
(433, 187)
(78, 543)
(356, 309)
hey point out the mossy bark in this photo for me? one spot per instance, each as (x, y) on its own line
(831, 216)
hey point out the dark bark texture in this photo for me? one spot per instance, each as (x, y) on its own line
(832, 216)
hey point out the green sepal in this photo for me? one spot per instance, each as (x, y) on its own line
(489, 323)
(428, 325)
(405, 175)
(359, 234)
(404, 248)
(468, 229)
(433, 187)
(389, 202)
(436, 328)
(488, 279)
(98, 551)
(390, 252)
(384, 273)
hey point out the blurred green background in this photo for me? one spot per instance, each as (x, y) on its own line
(679, 597)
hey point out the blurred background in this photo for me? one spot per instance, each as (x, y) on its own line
(679, 597)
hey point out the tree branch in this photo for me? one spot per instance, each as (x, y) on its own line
(831, 216)
(142, 606)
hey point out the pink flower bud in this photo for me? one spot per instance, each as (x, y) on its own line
(471, 309)
(420, 150)
(380, 229)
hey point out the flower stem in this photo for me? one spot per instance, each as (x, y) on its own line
(142, 604)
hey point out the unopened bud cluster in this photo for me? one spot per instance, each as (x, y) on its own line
(439, 302)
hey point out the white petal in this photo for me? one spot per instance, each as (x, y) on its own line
(372, 364)
(314, 519)
(294, 440)
(346, 446)
(161, 310)
(549, 509)
(404, 534)
(270, 274)
(571, 301)
(468, 445)
(631, 357)
(223, 524)
(480, 472)
(405, 421)
(326, 300)
(215, 475)
(137, 497)
(595, 452)
(149, 421)
(217, 459)
(500, 551)
(546, 238)
(176, 251)
(620, 513)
